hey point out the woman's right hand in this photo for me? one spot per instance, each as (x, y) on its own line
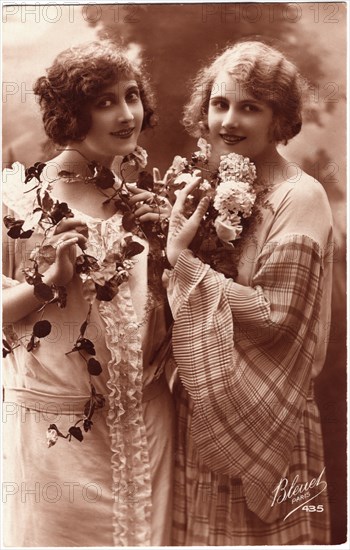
(68, 233)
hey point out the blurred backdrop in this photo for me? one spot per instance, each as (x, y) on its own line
(175, 40)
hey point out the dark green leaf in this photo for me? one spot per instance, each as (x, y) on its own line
(43, 292)
(6, 344)
(129, 221)
(46, 202)
(86, 263)
(83, 344)
(83, 328)
(32, 276)
(94, 367)
(132, 249)
(26, 234)
(59, 211)
(76, 432)
(107, 292)
(42, 328)
(89, 408)
(103, 177)
(6, 348)
(15, 231)
(87, 424)
(9, 222)
(99, 400)
(32, 344)
(145, 181)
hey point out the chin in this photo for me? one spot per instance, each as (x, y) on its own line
(126, 150)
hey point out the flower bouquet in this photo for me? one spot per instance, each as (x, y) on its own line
(235, 200)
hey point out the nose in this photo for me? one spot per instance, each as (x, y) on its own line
(231, 119)
(125, 115)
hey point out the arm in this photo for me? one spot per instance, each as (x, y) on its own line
(18, 299)
(245, 355)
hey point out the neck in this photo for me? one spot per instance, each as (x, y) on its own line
(271, 167)
(74, 159)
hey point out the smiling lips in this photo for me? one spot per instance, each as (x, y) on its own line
(232, 139)
(123, 134)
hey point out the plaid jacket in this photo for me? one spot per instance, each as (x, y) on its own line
(245, 356)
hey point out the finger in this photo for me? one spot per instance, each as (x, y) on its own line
(189, 187)
(156, 175)
(71, 224)
(63, 237)
(145, 209)
(143, 196)
(134, 189)
(169, 175)
(200, 210)
(150, 217)
(63, 246)
(183, 193)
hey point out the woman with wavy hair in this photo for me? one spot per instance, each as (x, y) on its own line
(249, 339)
(85, 321)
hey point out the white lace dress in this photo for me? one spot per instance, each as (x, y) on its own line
(114, 487)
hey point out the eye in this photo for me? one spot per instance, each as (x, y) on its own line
(104, 103)
(219, 104)
(133, 96)
(250, 108)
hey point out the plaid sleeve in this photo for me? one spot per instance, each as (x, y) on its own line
(245, 355)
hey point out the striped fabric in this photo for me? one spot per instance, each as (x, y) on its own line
(245, 356)
(210, 508)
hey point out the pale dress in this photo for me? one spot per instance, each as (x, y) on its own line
(247, 353)
(115, 487)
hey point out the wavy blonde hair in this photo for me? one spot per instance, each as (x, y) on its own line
(265, 73)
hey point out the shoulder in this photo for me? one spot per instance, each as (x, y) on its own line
(302, 207)
(308, 191)
(16, 196)
(302, 193)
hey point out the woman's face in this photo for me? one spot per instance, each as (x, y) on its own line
(238, 123)
(116, 121)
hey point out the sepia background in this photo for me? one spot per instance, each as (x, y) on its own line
(175, 40)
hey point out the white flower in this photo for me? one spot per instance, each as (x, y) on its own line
(141, 156)
(205, 185)
(205, 150)
(52, 437)
(228, 230)
(234, 196)
(184, 179)
(237, 167)
(179, 164)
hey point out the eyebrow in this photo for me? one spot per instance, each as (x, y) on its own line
(132, 87)
(240, 102)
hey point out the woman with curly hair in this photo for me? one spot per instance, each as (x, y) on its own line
(89, 373)
(249, 341)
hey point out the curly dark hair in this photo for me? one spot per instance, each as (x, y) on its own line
(265, 73)
(75, 78)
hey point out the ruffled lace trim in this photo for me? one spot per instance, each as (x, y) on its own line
(7, 282)
(14, 193)
(130, 459)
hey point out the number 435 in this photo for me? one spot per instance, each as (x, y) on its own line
(311, 508)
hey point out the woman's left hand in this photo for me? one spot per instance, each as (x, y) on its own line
(149, 206)
(182, 230)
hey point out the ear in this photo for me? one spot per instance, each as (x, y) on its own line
(203, 127)
(274, 133)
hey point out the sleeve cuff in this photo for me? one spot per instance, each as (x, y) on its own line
(186, 275)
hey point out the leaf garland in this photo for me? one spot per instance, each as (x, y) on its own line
(99, 282)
